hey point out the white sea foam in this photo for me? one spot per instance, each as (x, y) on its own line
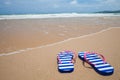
(62, 15)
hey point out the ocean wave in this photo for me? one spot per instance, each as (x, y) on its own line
(62, 15)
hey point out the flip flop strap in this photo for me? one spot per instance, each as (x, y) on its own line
(58, 59)
(74, 54)
(100, 55)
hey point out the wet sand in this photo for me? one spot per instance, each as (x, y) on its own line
(20, 34)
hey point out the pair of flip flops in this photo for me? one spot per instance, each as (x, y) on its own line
(97, 61)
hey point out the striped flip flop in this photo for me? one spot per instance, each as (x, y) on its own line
(97, 61)
(65, 61)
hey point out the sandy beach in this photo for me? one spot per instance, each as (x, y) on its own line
(29, 33)
(37, 46)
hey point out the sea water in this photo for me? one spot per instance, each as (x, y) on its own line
(60, 15)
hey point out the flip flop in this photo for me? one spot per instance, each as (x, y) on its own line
(65, 61)
(97, 61)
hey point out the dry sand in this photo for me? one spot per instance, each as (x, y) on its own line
(41, 63)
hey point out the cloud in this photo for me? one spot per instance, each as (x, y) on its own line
(73, 2)
(46, 6)
(7, 3)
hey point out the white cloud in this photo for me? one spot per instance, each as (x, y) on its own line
(7, 2)
(73, 2)
(110, 3)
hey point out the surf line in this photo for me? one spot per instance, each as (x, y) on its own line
(28, 49)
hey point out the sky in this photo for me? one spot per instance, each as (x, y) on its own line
(56, 6)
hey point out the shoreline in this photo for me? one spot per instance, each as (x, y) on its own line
(28, 49)
(21, 34)
(61, 15)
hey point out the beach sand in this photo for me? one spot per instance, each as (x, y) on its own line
(29, 33)
(40, 63)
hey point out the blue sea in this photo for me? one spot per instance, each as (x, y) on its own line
(56, 15)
